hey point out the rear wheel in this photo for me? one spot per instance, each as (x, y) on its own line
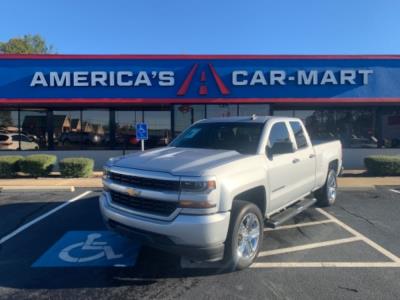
(326, 195)
(245, 235)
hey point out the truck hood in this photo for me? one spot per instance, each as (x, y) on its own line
(178, 161)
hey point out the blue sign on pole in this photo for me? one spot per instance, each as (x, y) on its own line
(141, 131)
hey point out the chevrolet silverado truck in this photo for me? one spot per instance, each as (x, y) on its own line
(211, 191)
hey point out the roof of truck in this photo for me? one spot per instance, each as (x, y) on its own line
(246, 119)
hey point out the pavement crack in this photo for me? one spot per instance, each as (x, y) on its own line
(357, 216)
(348, 289)
(299, 229)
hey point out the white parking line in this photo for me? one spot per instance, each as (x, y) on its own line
(308, 246)
(325, 265)
(395, 191)
(29, 224)
(299, 225)
(361, 236)
(357, 236)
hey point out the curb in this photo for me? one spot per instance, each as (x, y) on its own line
(22, 189)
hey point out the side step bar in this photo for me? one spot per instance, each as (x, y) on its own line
(290, 212)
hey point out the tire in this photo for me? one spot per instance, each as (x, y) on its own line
(326, 195)
(235, 257)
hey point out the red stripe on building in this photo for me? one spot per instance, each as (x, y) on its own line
(221, 86)
(185, 85)
(110, 101)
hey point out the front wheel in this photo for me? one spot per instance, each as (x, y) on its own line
(245, 235)
(326, 195)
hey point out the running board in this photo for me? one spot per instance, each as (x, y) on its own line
(289, 213)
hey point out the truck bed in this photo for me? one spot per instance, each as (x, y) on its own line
(325, 151)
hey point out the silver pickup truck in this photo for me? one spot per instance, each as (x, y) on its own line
(209, 193)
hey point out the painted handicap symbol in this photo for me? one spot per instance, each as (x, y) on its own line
(89, 244)
(90, 249)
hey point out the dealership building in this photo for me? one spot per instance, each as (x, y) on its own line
(88, 105)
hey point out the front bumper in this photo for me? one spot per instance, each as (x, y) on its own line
(197, 236)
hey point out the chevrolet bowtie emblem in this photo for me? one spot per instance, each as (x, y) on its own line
(133, 192)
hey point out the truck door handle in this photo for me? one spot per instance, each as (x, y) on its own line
(295, 161)
(311, 156)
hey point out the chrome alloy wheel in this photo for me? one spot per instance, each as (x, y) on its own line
(248, 236)
(331, 187)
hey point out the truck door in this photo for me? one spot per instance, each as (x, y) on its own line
(279, 156)
(304, 161)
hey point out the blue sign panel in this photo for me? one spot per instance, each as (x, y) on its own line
(195, 78)
(141, 131)
(90, 249)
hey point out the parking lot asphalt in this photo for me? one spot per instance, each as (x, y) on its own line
(348, 250)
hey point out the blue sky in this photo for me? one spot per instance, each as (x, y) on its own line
(208, 26)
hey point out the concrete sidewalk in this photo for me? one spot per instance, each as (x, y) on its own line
(95, 182)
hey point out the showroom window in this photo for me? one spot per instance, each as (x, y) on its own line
(390, 127)
(221, 110)
(159, 126)
(355, 128)
(67, 129)
(185, 115)
(34, 135)
(257, 109)
(125, 128)
(9, 137)
(95, 129)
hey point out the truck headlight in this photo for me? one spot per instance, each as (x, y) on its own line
(198, 186)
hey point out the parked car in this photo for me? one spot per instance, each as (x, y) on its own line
(10, 141)
(78, 137)
(208, 193)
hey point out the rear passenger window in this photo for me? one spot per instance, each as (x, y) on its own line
(298, 132)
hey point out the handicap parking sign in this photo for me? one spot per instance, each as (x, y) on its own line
(141, 131)
(90, 249)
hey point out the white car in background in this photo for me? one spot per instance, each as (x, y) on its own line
(10, 141)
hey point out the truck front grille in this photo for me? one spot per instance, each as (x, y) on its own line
(146, 183)
(150, 206)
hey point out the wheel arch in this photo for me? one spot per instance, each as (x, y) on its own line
(334, 164)
(256, 195)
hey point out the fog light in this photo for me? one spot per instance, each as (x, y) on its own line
(196, 204)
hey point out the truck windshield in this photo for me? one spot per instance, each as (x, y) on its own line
(241, 137)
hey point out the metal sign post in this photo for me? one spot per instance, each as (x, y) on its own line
(142, 133)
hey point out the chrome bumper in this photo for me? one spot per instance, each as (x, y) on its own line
(185, 230)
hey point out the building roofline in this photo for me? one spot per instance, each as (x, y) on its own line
(149, 101)
(194, 56)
